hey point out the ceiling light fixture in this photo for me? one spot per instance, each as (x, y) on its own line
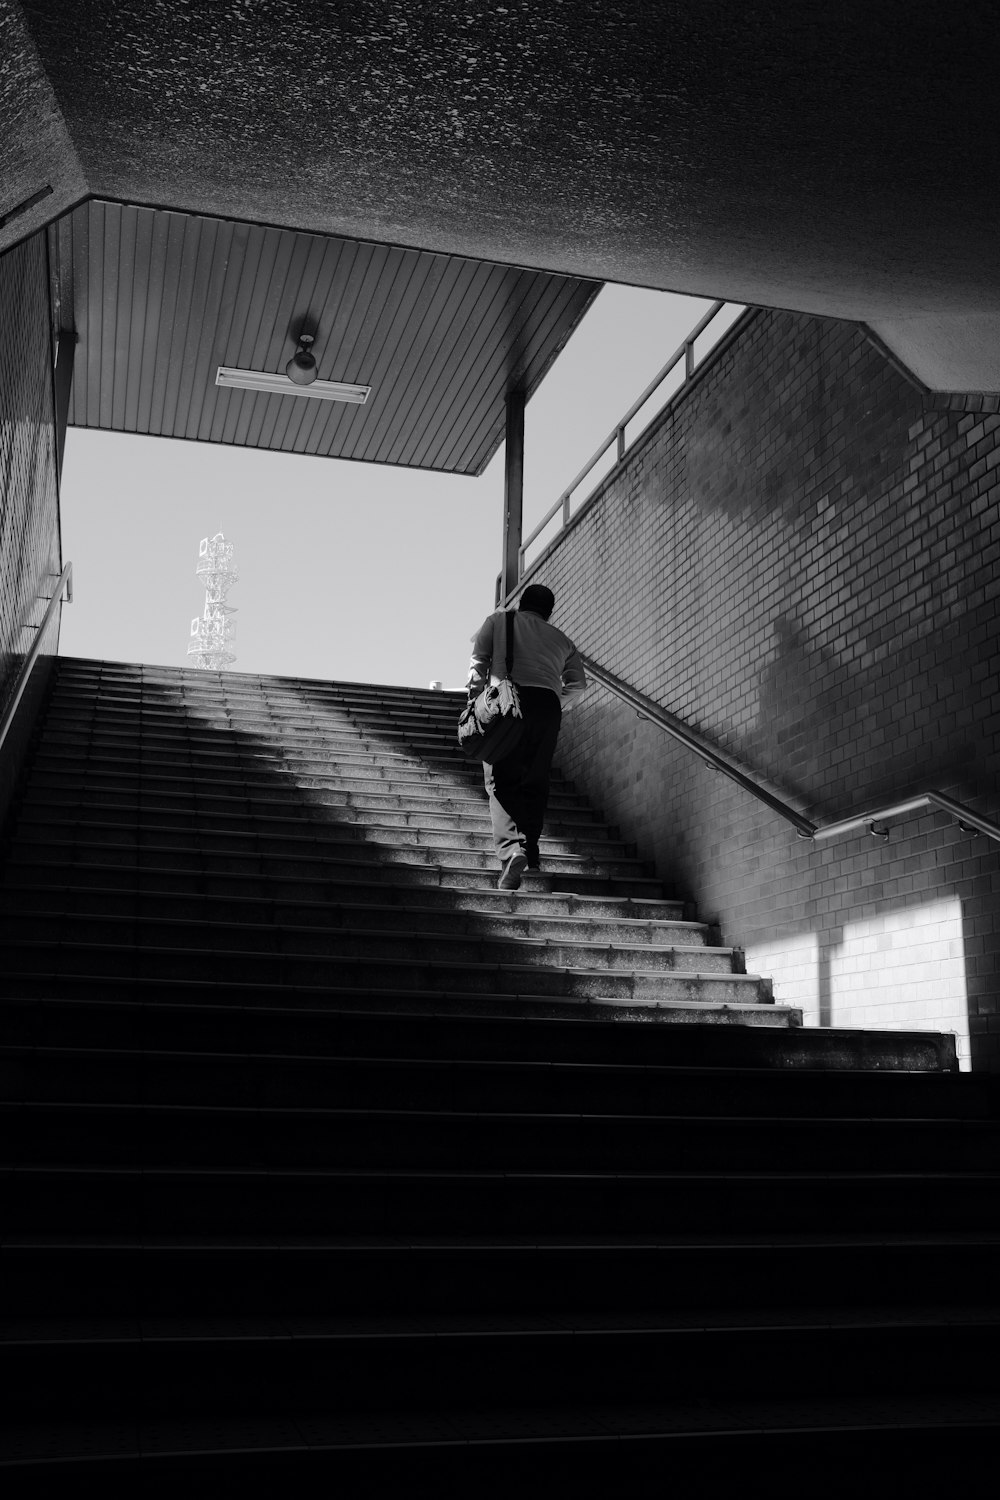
(321, 390)
(302, 366)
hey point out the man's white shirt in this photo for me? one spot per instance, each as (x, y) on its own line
(543, 656)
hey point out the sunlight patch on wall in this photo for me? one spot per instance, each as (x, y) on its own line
(903, 970)
(792, 964)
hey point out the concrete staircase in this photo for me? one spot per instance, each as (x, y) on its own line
(326, 1161)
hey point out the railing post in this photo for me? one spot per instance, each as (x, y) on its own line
(513, 494)
(685, 352)
(63, 381)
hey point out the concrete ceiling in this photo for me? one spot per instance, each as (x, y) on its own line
(838, 159)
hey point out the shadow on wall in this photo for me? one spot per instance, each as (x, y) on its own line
(814, 707)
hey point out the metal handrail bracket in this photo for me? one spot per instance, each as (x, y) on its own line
(645, 708)
(64, 586)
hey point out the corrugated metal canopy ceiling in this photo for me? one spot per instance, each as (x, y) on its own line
(159, 300)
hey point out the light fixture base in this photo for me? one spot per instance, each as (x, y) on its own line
(301, 368)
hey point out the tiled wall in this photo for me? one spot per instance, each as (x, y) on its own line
(29, 508)
(801, 561)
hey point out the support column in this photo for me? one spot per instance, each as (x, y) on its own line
(513, 492)
(65, 347)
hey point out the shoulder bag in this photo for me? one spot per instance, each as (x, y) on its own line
(492, 724)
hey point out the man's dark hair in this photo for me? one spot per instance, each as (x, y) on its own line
(538, 599)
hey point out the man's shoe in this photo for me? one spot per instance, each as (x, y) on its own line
(510, 875)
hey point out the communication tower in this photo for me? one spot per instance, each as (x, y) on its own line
(213, 630)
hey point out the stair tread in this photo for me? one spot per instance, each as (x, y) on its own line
(527, 943)
(544, 1067)
(365, 1324)
(491, 1174)
(532, 977)
(490, 1427)
(325, 865)
(435, 1004)
(532, 1246)
(285, 809)
(323, 844)
(380, 935)
(411, 907)
(489, 891)
(825, 1089)
(457, 1116)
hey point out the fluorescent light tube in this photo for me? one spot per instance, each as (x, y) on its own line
(322, 390)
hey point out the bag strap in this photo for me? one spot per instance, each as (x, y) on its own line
(510, 645)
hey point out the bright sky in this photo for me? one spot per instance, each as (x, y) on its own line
(350, 571)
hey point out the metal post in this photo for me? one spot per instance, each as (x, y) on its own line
(65, 346)
(513, 493)
(688, 358)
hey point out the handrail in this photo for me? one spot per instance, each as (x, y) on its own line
(65, 584)
(965, 817)
(684, 351)
(645, 708)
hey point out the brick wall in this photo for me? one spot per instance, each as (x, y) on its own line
(800, 560)
(29, 502)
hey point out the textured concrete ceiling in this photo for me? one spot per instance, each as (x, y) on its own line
(838, 159)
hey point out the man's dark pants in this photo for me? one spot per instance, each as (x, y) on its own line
(518, 786)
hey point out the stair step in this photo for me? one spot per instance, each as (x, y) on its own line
(162, 1367)
(158, 1054)
(357, 785)
(35, 904)
(76, 878)
(321, 868)
(296, 821)
(414, 969)
(211, 687)
(132, 1276)
(415, 747)
(122, 1200)
(406, 939)
(301, 804)
(214, 750)
(496, 1451)
(281, 1137)
(281, 786)
(329, 840)
(463, 1027)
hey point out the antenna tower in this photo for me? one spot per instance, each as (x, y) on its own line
(213, 630)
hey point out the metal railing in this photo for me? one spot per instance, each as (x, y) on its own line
(65, 585)
(684, 352)
(645, 708)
